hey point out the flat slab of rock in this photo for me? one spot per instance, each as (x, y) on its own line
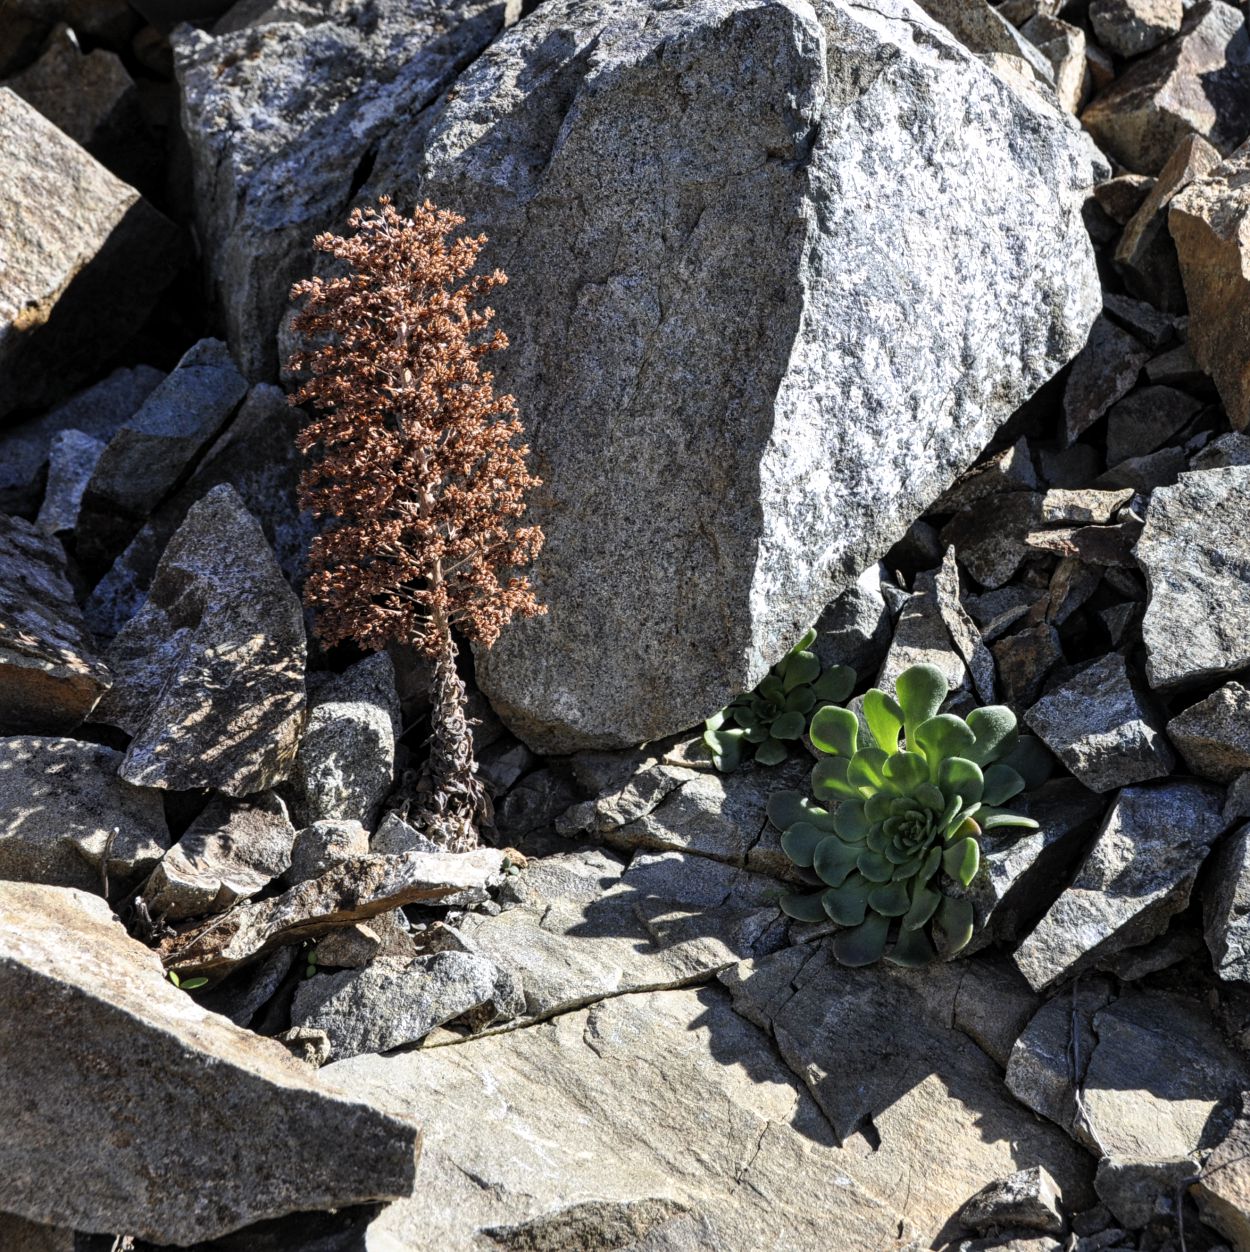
(1099, 727)
(210, 673)
(233, 850)
(1210, 224)
(50, 675)
(632, 1075)
(1194, 551)
(96, 1042)
(1194, 83)
(351, 891)
(787, 495)
(61, 802)
(1139, 872)
(79, 276)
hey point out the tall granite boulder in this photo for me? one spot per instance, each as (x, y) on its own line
(778, 273)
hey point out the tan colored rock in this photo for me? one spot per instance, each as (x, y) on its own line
(81, 270)
(1131, 27)
(1210, 224)
(1063, 45)
(128, 1107)
(50, 675)
(1223, 1189)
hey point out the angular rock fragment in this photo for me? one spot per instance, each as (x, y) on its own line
(1143, 320)
(1213, 736)
(1145, 473)
(1146, 255)
(1023, 661)
(393, 1001)
(1225, 450)
(210, 673)
(351, 891)
(81, 274)
(1060, 507)
(1063, 45)
(1137, 875)
(233, 850)
(855, 629)
(1144, 420)
(921, 637)
(1122, 196)
(1130, 27)
(345, 765)
(324, 844)
(980, 28)
(1098, 726)
(1194, 550)
(1091, 545)
(50, 675)
(62, 805)
(1226, 907)
(155, 447)
(1103, 373)
(962, 630)
(1026, 1200)
(1194, 84)
(1008, 470)
(1210, 224)
(1223, 1187)
(215, 1103)
(72, 458)
(770, 547)
(1138, 1192)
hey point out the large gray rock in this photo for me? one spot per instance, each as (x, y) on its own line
(1213, 735)
(1131, 27)
(1196, 83)
(673, 238)
(283, 119)
(580, 1136)
(1138, 874)
(1098, 726)
(155, 447)
(97, 1044)
(1223, 1190)
(1226, 908)
(210, 673)
(80, 275)
(50, 675)
(232, 851)
(1194, 550)
(62, 804)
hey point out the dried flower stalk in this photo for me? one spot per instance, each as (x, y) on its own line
(415, 466)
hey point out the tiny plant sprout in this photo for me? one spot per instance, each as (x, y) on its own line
(893, 831)
(776, 714)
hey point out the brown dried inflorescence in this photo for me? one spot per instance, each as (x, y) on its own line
(416, 467)
(416, 470)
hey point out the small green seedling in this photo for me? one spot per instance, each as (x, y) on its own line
(187, 984)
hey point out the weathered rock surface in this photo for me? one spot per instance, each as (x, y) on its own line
(1195, 83)
(60, 803)
(1223, 1190)
(257, 456)
(1103, 373)
(210, 673)
(855, 629)
(811, 440)
(1063, 45)
(50, 675)
(155, 447)
(1139, 872)
(324, 844)
(1226, 908)
(350, 891)
(233, 850)
(1098, 726)
(1144, 420)
(1213, 736)
(81, 274)
(346, 760)
(72, 458)
(633, 1075)
(1131, 27)
(115, 1084)
(1138, 1192)
(1194, 551)
(1025, 1200)
(1210, 224)
(283, 119)
(393, 1001)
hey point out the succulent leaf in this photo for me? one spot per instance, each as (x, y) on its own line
(788, 726)
(834, 860)
(835, 684)
(905, 771)
(800, 669)
(955, 919)
(874, 866)
(911, 950)
(890, 899)
(851, 821)
(993, 819)
(803, 908)
(958, 776)
(924, 903)
(995, 729)
(884, 718)
(847, 905)
(785, 808)
(920, 690)
(1001, 784)
(863, 944)
(1031, 760)
(942, 736)
(962, 860)
(829, 781)
(835, 730)
(770, 752)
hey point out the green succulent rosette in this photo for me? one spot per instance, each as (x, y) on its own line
(767, 721)
(893, 832)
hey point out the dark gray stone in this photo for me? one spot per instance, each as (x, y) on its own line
(1130, 27)
(1226, 907)
(1213, 736)
(1103, 373)
(855, 629)
(324, 844)
(72, 458)
(1145, 419)
(1026, 1200)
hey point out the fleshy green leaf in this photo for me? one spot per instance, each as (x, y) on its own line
(193, 984)
(877, 808)
(995, 729)
(789, 726)
(906, 771)
(803, 908)
(799, 843)
(940, 737)
(726, 748)
(865, 943)
(994, 819)
(884, 718)
(829, 781)
(834, 860)
(962, 860)
(931, 797)
(799, 669)
(955, 919)
(874, 866)
(809, 638)
(851, 821)
(717, 720)
(848, 903)
(931, 863)
(757, 734)
(801, 700)
(772, 689)
(890, 899)
(173, 978)
(911, 950)
(865, 769)
(785, 808)
(835, 730)
(924, 903)
(957, 776)
(745, 715)
(1001, 784)
(920, 690)
(771, 752)
(835, 684)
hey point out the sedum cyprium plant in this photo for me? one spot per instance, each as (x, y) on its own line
(894, 833)
(777, 712)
